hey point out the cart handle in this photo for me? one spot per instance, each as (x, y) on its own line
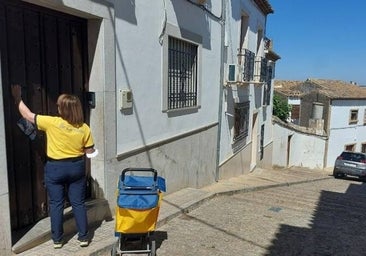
(140, 170)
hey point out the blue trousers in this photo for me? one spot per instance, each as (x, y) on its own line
(58, 176)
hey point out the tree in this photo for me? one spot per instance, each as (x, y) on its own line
(281, 108)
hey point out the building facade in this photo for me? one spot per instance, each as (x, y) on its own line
(246, 126)
(153, 79)
(343, 109)
(332, 111)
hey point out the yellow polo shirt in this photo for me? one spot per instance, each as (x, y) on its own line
(63, 139)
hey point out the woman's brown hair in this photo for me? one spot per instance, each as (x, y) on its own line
(70, 109)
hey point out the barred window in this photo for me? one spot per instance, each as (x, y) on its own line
(182, 74)
(248, 73)
(241, 120)
(267, 88)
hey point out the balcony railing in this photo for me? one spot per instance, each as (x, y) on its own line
(260, 70)
(252, 68)
(246, 64)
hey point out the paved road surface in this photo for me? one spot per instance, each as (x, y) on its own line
(318, 218)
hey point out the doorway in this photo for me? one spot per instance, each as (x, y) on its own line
(253, 163)
(288, 150)
(46, 53)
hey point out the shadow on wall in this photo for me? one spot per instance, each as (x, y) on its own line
(198, 15)
(127, 9)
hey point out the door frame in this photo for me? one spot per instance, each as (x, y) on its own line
(47, 98)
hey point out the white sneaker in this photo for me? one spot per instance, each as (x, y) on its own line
(58, 245)
(84, 243)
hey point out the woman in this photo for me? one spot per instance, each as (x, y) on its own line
(68, 139)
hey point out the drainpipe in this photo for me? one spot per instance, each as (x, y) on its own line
(223, 20)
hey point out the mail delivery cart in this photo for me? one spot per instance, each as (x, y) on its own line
(138, 202)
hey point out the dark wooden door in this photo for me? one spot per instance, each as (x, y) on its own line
(45, 52)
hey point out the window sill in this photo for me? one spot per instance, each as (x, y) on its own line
(238, 83)
(181, 111)
(243, 83)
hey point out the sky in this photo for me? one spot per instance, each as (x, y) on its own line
(324, 39)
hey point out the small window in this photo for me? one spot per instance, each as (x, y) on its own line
(353, 119)
(350, 147)
(364, 117)
(363, 147)
(241, 120)
(182, 74)
(181, 86)
(262, 143)
(267, 87)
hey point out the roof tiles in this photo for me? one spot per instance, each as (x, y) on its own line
(334, 89)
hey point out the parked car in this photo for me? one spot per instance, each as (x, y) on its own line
(350, 163)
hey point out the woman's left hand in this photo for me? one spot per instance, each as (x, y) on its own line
(91, 152)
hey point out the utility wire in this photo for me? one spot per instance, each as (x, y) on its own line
(204, 8)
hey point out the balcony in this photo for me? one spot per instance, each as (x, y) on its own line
(246, 65)
(260, 69)
(268, 50)
(249, 69)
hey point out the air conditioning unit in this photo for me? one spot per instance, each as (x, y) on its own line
(232, 73)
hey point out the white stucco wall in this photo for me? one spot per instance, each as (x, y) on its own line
(293, 101)
(293, 148)
(139, 68)
(248, 92)
(342, 133)
(125, 52)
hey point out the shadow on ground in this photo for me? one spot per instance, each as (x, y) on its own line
(337, 227)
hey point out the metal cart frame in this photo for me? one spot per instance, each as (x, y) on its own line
(138, 203)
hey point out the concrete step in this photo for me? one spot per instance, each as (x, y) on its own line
(97, 210)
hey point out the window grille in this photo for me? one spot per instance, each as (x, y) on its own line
(267, 89)
(260, 69)
(182, 74)
(247, 58)
(248, 66)
(241, 120)
(264, 69)
(262, 143)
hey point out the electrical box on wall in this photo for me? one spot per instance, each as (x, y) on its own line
(126, 99)
(90, 98)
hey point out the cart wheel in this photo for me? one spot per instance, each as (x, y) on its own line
(152, 247)
(151, 243)
(115, 248)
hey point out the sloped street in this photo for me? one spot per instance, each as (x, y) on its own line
(324, 217)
